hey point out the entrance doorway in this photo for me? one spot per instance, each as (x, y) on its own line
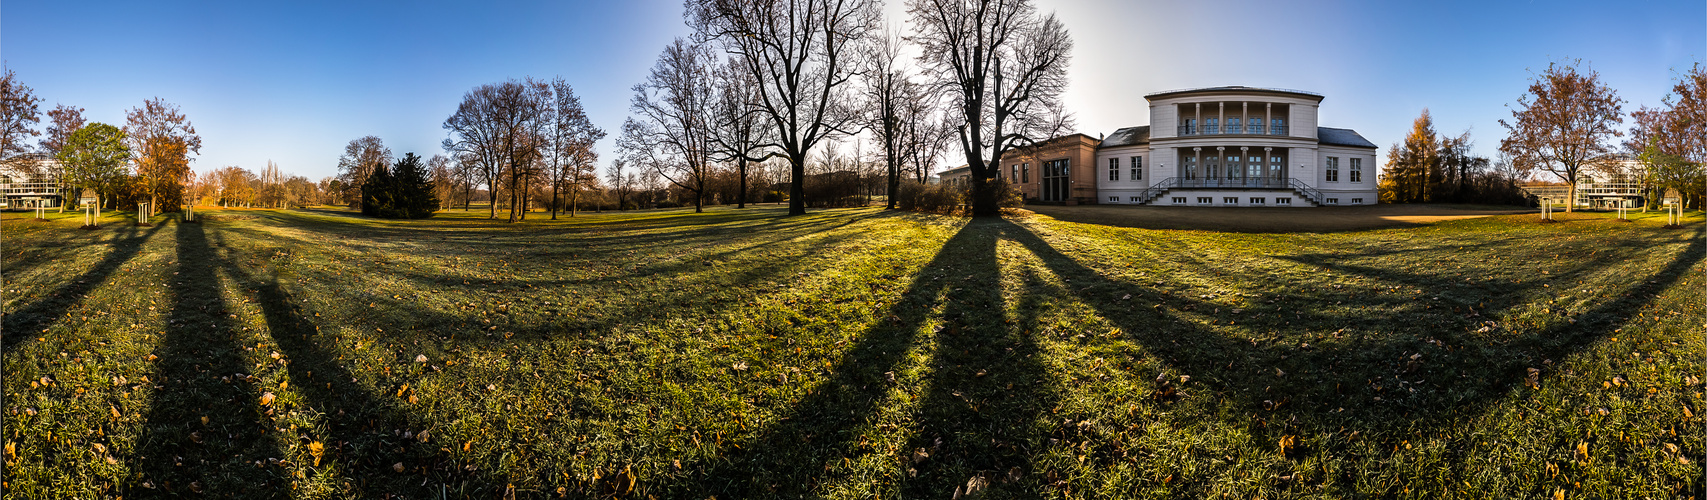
(1055, 180)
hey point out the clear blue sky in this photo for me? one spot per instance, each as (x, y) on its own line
(295, 82)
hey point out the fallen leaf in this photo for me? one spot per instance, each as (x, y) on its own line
(316, 449)
(1533, 380)
(267, 399)
(420, 358)
(397, 467)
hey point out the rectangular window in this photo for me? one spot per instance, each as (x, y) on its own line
(1179, 200)
(1205, 200)
(1137, 168)
(1133, 199)
(1332, 201)
(1283, 201)
(1025, 172)
(1333, 170)
(1257, 201)
(1114, 199)
(1114, 169)
(1230, 200)
(1357, 201)
(1356, 170)
(1013, 173)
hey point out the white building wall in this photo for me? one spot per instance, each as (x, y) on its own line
(1164, 120)
(1303, 120)
(1218, 198)
(1344, 189)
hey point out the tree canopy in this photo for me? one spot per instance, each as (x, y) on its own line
(400, 192)
(1565, 122)
(95, 157)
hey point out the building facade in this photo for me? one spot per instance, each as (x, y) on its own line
(1219, 146)
(28, 183)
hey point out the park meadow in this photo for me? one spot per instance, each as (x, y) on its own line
(848, 353)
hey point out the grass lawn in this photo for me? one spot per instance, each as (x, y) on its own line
(849, 354)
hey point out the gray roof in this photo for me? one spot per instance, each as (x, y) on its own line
(1234, 88)
(1127, 136)
(1341, 137)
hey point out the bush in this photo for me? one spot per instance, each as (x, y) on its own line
(403, 194)
(942, 199)
(933, 198)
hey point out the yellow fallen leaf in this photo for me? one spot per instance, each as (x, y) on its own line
(316, 449)
(397, 467)
(267, 399)
(284, 385)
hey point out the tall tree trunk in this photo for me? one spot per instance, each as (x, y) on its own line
(554, 185)
(797, 191)
(741, 169)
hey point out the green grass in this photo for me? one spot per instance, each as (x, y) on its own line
(848, 354)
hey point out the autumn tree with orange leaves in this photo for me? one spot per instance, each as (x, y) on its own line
(162, 139)
(1563, 124)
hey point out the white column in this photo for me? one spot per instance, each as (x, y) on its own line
(1268, 118)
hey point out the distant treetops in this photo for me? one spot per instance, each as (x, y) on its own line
(399, 192)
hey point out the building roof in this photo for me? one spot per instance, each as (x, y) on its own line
(1127, 136)
(953, 171)
(1341, 137)
(1235, 88)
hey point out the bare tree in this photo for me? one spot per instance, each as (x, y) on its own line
(885, 83)
(802, 55)
(1563, 124)
(65, 120)
(497, 131)
(162, 139)
(739, 132)
(623, 181)
(361, 157)
(1005, 65)
(670, 132)
(925, 133)
(572, 136)
(18, 116)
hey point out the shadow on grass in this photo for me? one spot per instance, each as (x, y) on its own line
(1337, 383)
(359, 427)
(26, 323)
(201, 373)
(1277, 220)
(794, 456)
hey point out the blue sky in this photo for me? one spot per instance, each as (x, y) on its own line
(294, 83)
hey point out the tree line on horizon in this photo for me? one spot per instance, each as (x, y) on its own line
(147, 160)
(1562, 127)
(758, 104)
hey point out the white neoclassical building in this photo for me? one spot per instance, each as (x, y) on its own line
(1217, 146)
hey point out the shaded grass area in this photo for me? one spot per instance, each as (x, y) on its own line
(849, 354)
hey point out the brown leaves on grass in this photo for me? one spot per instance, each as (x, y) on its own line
(317, 450)
(1533, 380)
(267, 399)
(1581, 454)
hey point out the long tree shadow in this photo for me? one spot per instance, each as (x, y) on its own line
(793, 456)
(988, 386)
(360, 429)
(23, 324)
(1356, 383)
(205, 429)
